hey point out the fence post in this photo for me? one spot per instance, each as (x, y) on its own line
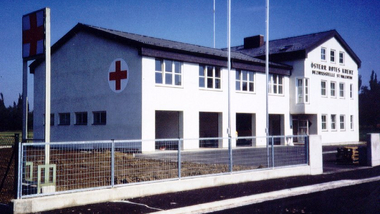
(272, 151)
(16, 165)
(112, 163)
(179, 158)
(307, 149)
(230, 153)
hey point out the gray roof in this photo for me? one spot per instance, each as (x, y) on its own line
(297, 46)
(157, 43)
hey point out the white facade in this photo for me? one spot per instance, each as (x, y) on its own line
(158, 104)
(321, 103)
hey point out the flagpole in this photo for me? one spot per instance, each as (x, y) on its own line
(267, 67)
(229, 83)
(214, 22)
(47, 85)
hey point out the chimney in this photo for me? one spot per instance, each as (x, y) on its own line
(253, 41)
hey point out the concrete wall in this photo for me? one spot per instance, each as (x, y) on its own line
(373, 149)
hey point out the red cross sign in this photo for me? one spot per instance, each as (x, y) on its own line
(33, 34)
(118, 75)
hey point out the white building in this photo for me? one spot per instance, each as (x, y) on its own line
(107, 84)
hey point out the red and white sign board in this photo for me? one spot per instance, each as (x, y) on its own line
(118, 75)
(33, 34)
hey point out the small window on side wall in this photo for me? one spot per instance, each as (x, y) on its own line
(100, 118)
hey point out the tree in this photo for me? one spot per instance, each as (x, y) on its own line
(369, 103)
(11, 117)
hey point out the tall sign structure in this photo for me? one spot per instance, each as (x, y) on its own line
(36, 44)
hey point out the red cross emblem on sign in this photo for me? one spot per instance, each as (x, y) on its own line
(118, 75)
(33, 34)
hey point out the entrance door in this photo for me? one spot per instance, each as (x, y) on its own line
(300, 127)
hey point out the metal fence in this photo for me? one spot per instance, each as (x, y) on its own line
(55, 168)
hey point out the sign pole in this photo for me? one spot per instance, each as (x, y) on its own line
(24, 100)
(47, 85)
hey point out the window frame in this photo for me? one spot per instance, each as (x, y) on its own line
(324, 122)
(341, 57)
(81, 118)
(247, 78)
(333, 122)
(162, 72)
(352, 122)
(351, 91)
(333, 89)
(341, 90)
(303, 90)
(276, 83)
(342, 122)
(210, 77)
(324, 89)
(64, 119)
(323, 53)
(332, 56)
(96, 120)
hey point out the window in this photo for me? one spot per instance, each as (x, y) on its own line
(245, 81)
(341, 90)
(351, 88)
(333, 122)
(332, 89)
(168, 72)
(341, 57)
(275, 84)
(100, 118)
(323, 54)
(324, 122)
(303, 90)
(209, 77)
(323, 88)
(332, 55)
(352, 122)
(64, 119)
(342, 122)
(81, 118)
(51, 119)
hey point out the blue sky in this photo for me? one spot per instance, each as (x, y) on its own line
(191, 21)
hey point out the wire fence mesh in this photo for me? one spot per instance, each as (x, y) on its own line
(75, 166)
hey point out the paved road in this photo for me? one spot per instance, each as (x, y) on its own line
(364, 198)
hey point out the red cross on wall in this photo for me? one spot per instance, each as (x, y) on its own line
(32, 35)
(118, 75)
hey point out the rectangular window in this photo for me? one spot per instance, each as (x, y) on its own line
(342, 122)
(323, 54)
(245, 81)
(324, 122)
(332, 89)
(352, 122)
(276, 84)
(341, 57)
(351, 93)
(323, 88)
(333, 122)
(332, 55)
(341, 90)
(303, 90)
(64, 119)
(210, 77)
(80, 118)
(168, 72)
(99, 117)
